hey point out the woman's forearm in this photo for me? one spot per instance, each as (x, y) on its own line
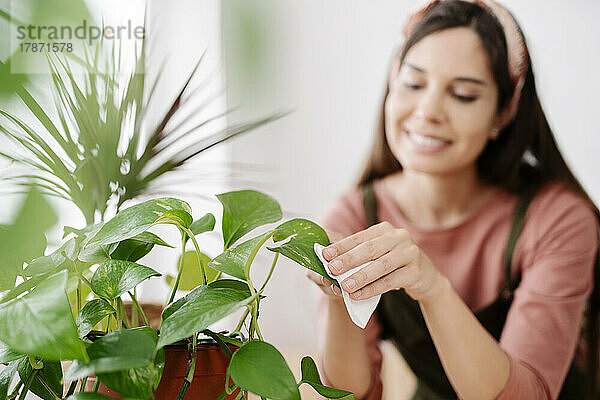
(345, 357)
(475, 364)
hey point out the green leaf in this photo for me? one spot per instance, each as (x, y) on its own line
(231, 284)
(6, 377)
(191, 276)
(51, 374)
(204, 224)
(136, 219)
(260, 368)
(7, 354)
(151, 238)
(137, 247)
(24, 239)
(95, 254)
(131, 250)
(300, 248)
(85, 234)
(310, 375)
(41, 322)
(245, 210)
(92, 313)
(175, 217)
(115, 277)
(23, 287)
(117, 351)
(45, 264)
(199, 309)
(138, 382)
(233, 261)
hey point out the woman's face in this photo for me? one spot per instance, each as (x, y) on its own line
(441, 108)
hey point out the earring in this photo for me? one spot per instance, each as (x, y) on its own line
(494, 133)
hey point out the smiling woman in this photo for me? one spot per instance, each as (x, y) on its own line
(442, 116)
(485, 254)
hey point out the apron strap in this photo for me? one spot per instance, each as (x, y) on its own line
(370, 203)
(518, 222)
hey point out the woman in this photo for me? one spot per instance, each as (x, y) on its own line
(461, 148)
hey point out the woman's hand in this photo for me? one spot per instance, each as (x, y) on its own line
(397, 263)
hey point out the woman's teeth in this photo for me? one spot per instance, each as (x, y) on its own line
(426, 140)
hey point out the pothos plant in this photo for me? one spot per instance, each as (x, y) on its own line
(38, 329)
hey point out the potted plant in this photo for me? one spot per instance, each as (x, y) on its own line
(88, 156)
(38, 330)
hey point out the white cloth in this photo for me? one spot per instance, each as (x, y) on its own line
(360, 311)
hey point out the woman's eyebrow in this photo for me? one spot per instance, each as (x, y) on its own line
(470, 80)
(459, 79)
(411, 66)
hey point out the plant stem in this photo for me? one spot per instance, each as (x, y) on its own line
(49, 389)
(84, 280)
(139, 309)
(134, 314)
(191, 367)
(16, 391)
(108, 323)
(118, 316)
(122, 312)
(217, 338)
(179, 272)
(28, 384)
(239, 325)
(256, 302)
(202, 271)
(78, 294)
(251, 259)
(270, 272)
(255, 324)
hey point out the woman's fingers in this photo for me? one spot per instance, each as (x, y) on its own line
(370, 250)
(342, 246)
(382, 266)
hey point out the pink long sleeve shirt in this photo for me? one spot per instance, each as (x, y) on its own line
(554, 255)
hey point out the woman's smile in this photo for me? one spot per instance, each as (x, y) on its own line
(426, 143)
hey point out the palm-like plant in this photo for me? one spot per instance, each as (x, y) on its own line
(97, 155)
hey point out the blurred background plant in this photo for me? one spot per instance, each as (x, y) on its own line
(99, 150)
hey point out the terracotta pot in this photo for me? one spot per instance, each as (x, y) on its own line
(209, 375)
(152, 311)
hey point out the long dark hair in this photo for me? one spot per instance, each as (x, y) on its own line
(525, 153)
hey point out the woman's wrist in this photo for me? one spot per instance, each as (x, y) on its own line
(439, 290)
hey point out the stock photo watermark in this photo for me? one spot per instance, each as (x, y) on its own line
(31, 43)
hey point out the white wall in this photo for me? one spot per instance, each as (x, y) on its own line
(327, 61)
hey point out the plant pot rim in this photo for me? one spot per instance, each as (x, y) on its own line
(93, 335)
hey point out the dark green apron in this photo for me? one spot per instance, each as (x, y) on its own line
(402, 322)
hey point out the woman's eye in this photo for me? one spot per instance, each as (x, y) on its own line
(412, 86)
(464, 99)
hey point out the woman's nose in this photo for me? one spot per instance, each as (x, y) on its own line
(430, 105)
